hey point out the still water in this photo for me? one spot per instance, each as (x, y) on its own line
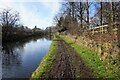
(20, 59)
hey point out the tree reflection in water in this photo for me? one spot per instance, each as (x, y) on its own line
(11, 52)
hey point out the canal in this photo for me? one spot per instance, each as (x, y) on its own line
(21, 58)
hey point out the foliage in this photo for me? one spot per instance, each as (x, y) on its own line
(12, 31)
(85, 15)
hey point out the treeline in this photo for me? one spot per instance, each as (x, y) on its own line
(83, 17)
(12, 30)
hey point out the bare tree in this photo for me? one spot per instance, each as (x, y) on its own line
(87, 11)
(8, 20)
(101, 13)
(81, 14)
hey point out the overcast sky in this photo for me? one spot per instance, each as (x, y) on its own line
(34, 12)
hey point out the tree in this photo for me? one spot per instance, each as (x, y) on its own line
(101, 10)
(80, 12)
(8, 19)
(87, 11)
(81, 15)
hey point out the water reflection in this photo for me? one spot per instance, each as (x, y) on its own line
(20, 59)
(11, 54)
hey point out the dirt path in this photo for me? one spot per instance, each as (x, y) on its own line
(68, 64)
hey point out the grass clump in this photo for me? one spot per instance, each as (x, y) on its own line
(46, 63)
(92, 60)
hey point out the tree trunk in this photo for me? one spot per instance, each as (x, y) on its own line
(81, 15)
(87, 10)
(112, 13)
(101, 29)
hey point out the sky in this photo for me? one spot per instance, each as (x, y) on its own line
(33, 13)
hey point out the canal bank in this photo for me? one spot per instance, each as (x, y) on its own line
(46, 64)
(61, 62)
(73, 61)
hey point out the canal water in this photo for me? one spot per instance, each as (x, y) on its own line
(21, 58)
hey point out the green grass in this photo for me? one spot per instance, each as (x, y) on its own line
(93, 61)
(46, 63)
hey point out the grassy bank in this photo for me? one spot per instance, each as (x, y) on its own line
(46, 63)
(92, 60)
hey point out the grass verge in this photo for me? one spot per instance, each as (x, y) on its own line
(92, 60)
(46, 63)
